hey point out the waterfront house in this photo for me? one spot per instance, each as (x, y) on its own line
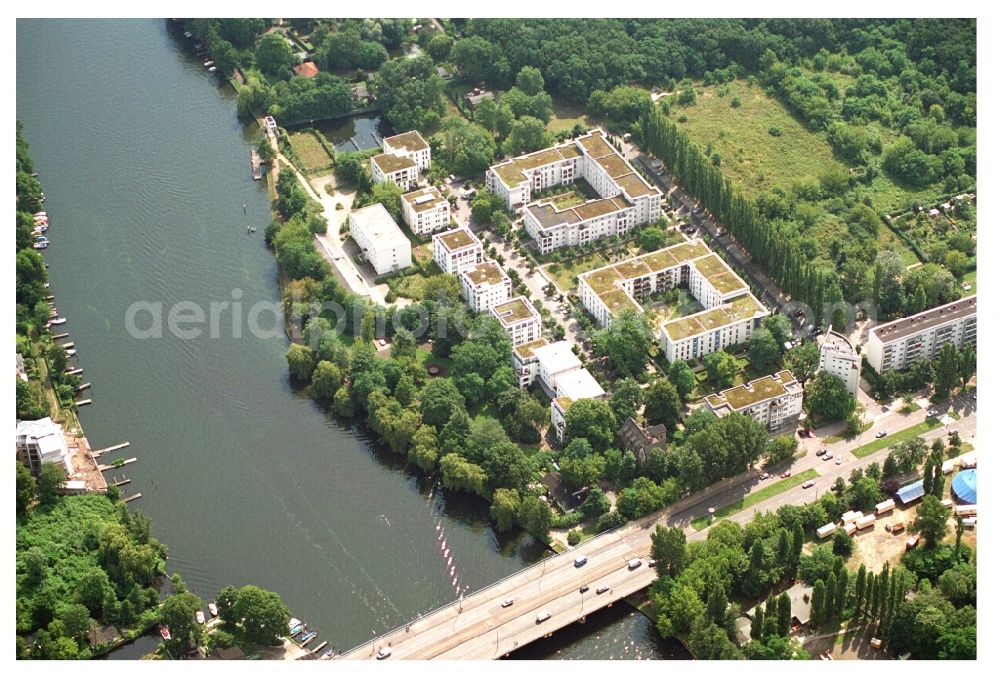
(39, 442)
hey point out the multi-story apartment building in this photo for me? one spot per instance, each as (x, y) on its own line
(409, 145)
(425, 210)
(456, 250)
(484, 286)
(731, 311)
(626, 199)
(774, 400)
(838, 357)
(519, 319)
(896, 344)
(402, 171)
(575, 385)
(555, 360)
(526, 362)
(39, 442)
(378, 236)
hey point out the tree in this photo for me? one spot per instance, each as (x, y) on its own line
(780, 327)
(663, 404)
(683, 378)
(94, 591)
(479, 59)
(25, 487)
(264, 615)
(669, 550)
(439, 47)
(780, 449)
(817, 608)
(843, 544)
(529, 80)
(763, 349)
(526, 134)
(652, 238)
(504, 508)
(326, 380)
(827, 397)
(178, 613)
(710, 642)
(593, 420)
(595, 505)
(722, 368)
(424, 448)
(967, 363)
(535, 516)
(273, 56)
(76, 621)
(51, 478)
(946, 371)
(300, 361)
(625, 343)
(932, 521)
(803, 360)
(795, 553)
(409, 92)
(438, 400)
(680, 610)
(626, 399)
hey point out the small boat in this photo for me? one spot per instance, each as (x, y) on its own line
(296, 630)
(40, 214)
(164, 632)
(58, 320)
(212, 609)
(212, 69)
(308, 637)
(71, 352)
(293, 622)
(209, 63)
(40, 245)
(187, 34)
(200, 616)
(327, 655)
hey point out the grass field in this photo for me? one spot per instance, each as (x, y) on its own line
(563, 272)
(901, 436)
(566, 116)
(756, 497)
(970, 277)
(310, 151)
(753, 157)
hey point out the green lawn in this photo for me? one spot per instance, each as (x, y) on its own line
(426, 359)
(770, 491)
(901, 436)
(563, 272)
(970, 277)
(310, 151)
(566, 116)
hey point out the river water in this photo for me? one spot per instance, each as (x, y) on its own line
(146, 170)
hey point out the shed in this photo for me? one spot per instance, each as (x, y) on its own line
(865, 522)
(910, 493)
(850, 528)
(826, 530)
(851, 516)
(885, 506)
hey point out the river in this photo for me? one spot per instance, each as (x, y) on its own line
(146, 170)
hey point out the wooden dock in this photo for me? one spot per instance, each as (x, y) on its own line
(128, 499)
(108, 450)
(119, 482)
(114, 466)
(81, 403)
(256, 165)
(74, 372)
(61, 336)
(319, 648)
(82, 386)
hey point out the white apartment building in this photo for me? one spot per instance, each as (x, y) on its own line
(731, 311)
(409, 145)
(39, 442)
(526, 362)
(838, 357)
(425, 210)
(402, 171)
(456, 250)
(378, 236)
(484, 286)
(519, 319)
(626, 199)
(570, 387)
(774, 400)
(554, 361)
(896, 344)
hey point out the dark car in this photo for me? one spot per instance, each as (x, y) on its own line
(584, 588)
(821, 452)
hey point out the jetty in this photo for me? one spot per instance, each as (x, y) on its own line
(256, 165)
(61, 336)
(119, 482)
(108, 450)
(81, 403)
(67, 345)
(105, 466)
(319, 648)
(82, 386)
(74, 372)
(128, 499)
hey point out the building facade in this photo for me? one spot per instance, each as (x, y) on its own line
(409, 145)
(896, 344)
(402, 171)
(525, 361)
(774, 400)
(425, 210)
(456, 250)
(39, 442)
(626, 199)
(378, 236)
(838, 357)
(484, 286)
(519, 319)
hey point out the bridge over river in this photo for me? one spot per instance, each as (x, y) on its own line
(478, 627)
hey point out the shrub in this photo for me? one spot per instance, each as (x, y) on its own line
(682, 118)
(775, 131)
(574, 536)
(735, 103)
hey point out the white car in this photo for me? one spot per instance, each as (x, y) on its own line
(827, 456)
(507, 602)
(840, 459)
(602, 588)
(383, 653)
(542, 616)
(808, 483)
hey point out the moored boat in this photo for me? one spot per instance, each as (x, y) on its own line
(296, 630)
(308, 637)
(212, 609)
(58, 320)
(164, 632)
(200, 616)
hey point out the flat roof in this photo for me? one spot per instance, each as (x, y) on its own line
(601, 279)
(740, 308)
(378, 225)
(487, 272)
(515, 310)
(528, 349)
(915, 324)
(595, 145)
(558, 357)
(748, 394)
(457, 238)
(562, 403)
(614, 165)
(511, 172)
(411, 141)
(617, 300)
(424, 199)
(579, 385)
(390, 163)
(634, 185)
(834, 341)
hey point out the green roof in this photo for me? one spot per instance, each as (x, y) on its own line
(527, 350)
(595, 145)
(602, 280)
(616, 300)
(487, 272)
(411, 141)
(759, 390)
(390, 164)
(512, 172)
(513, 310)
(456, 239)
(421, 206)
(741, 308)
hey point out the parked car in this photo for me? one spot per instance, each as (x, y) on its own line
(787, 473)
(827, 456)
(840, 459)
(808, 483)
(880, 434)
(542, 616)
(810, 432)
(932, 412)
(765, 475)
(821, 452)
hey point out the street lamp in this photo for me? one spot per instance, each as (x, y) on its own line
(373, 644)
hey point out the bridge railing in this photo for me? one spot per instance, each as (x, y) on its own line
(519, 572)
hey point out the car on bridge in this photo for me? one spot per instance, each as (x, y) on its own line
(580, 561)
(634, 563)
(602, 588)
(507, 602)
(584, 588)
(383, 653)
(542, 616)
